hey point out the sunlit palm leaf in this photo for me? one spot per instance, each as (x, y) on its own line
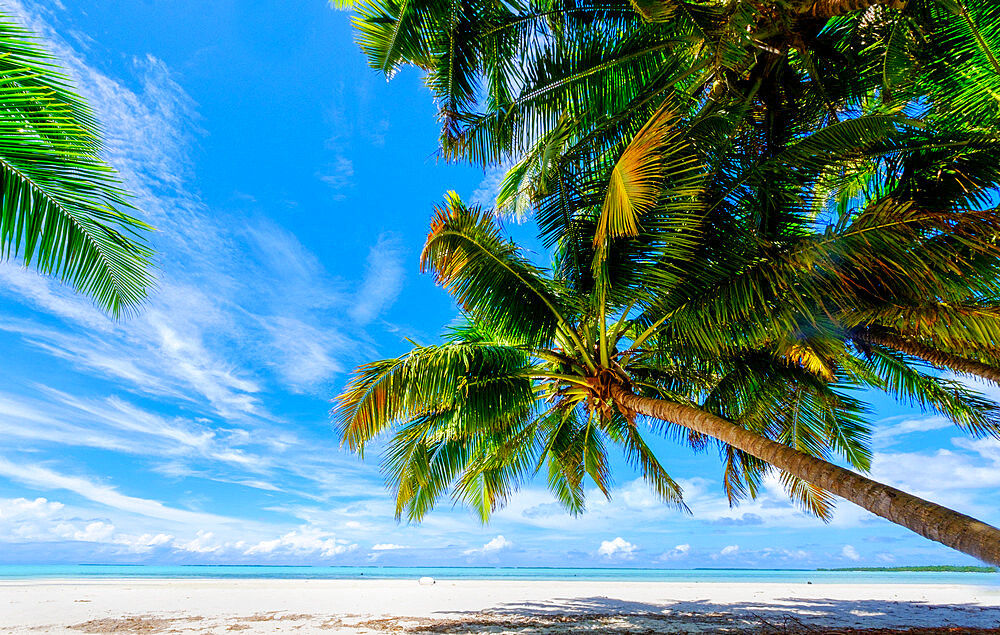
(489, 277)
(62, 206)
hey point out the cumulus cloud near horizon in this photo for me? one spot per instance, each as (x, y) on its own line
(498, 543)
(617, 548)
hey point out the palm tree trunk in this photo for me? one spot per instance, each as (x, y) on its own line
(832, 8)
(932, 356)
(958, 531)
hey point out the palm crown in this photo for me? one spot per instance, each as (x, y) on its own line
(543, 371)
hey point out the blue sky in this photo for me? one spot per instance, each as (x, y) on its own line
(292, 188)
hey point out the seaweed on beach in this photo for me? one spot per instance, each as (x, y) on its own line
(132, 624)
(504, 624)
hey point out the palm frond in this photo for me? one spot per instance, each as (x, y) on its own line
(63, 209)
(489, 278)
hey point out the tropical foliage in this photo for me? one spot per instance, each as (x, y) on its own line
(505, 74)
(756, 211)
(62, 210)
(560, 91)
(540, 373)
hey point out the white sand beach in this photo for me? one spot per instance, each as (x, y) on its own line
(401, 606)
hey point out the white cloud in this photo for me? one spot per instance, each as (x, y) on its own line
(265, 546)
(229, 455)
(387, 546)
(678, 552)
(489, 188)
(496, 544)
(242, 308)
(97, 531)
(303, 354)
(304, 540)
(888, 435)
(181, 348)
(382, 282)
(42, 520)
(638, 496)
(40, 477)
(949, 476)
(339, 174)
(203, 542)
(850, 552)
(221, 283)
(785, 554)
(983, 386)
(32, 285)
(24, 508)
(535, 507)
(144, 543)
(617, 548)
(729, 550)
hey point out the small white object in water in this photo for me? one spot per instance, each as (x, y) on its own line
(426, 581)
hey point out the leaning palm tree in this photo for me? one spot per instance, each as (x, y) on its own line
(63, 209)
(548, 369)
(746, 227)
(758, 355)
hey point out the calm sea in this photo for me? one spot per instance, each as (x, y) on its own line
(21, 572)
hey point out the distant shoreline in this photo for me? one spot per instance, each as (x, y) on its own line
(940, 574)
(898, 569)
(931, 568)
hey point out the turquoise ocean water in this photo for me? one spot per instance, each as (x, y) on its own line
(23, 572)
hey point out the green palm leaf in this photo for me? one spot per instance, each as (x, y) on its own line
(61, 207)
(489, 277)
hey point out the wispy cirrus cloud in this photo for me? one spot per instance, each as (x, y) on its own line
(486, 193)
(338, 174)
(223, 281)
(243, 312)
(886, 435)
(383, 279)
(40, 477)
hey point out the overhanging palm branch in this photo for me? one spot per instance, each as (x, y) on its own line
(842, 175)
(63, 210)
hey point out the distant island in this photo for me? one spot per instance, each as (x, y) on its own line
(944, 567)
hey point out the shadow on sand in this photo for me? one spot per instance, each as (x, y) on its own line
(783, 615)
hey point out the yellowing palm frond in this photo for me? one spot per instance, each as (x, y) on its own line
(634, 186)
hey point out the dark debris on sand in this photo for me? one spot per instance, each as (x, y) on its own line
(512, 624)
